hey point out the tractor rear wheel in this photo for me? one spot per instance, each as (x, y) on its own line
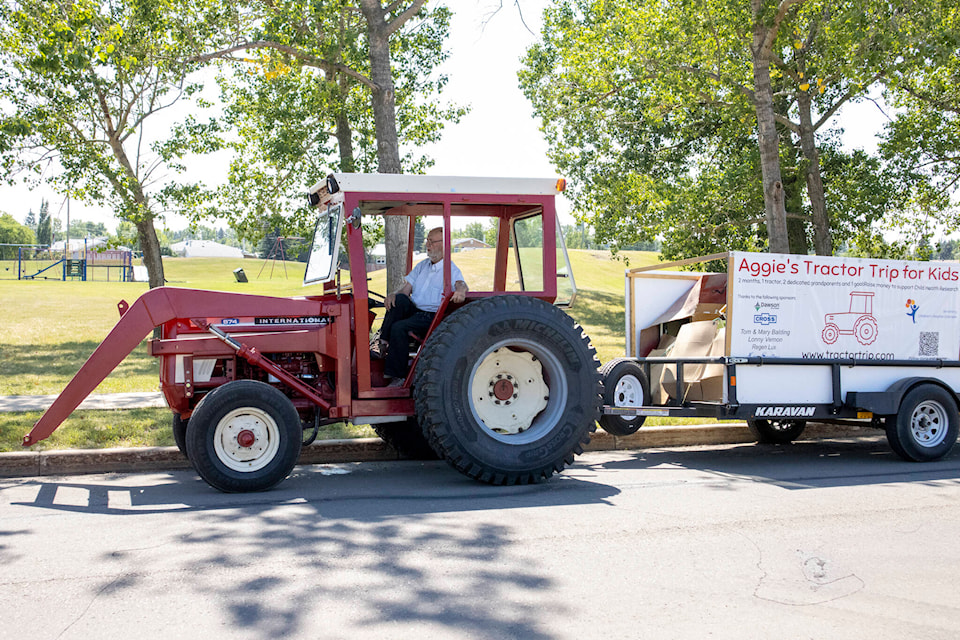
(244, 436)
(407, 438)
(507, 390)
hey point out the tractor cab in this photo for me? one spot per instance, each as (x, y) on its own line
(515, 229)
(503, 234)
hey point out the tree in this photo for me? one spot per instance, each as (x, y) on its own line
(713, 114)
(343, 56)
(12, 232)
(44, 226)
(31, 220)
(82, 79)
(471, 230)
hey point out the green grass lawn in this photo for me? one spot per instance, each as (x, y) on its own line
(50, 327)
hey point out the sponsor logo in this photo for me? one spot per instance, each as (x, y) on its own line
(229, 321)
(782, 412)
(765, 318)
(912, 306)
(321, 320)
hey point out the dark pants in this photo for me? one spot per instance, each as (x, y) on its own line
(402, 318)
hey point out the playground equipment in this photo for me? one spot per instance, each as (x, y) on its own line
(40, 262)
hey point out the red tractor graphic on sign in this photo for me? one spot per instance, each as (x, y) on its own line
(859, 321)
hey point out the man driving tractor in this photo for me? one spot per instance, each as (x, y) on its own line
(412, 306)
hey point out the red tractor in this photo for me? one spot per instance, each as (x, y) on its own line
(505, 386)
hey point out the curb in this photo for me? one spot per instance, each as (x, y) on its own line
(124, 460)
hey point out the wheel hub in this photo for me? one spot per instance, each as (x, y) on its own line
(503, 389)
(246, 438)
(508, 390)
(929, 424)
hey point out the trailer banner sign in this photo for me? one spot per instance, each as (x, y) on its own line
(821, 307)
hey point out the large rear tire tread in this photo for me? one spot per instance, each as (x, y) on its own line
(277, 428)
(407, 438)
(612, 373)
(454, 361)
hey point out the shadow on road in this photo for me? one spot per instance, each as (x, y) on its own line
(366, 491)
(805, 464)
(415, 537)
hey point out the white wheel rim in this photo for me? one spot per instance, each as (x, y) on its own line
(928, 424)
(628, 392)
(246, 439)
(508, 390)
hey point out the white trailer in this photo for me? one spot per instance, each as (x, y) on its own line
(780, 340)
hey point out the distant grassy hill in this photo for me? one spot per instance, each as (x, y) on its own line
(50, 327)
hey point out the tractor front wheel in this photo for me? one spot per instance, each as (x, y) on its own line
(244, 436)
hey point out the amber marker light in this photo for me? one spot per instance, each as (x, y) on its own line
(561, 184)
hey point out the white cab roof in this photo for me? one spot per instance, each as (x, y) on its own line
(408, 183)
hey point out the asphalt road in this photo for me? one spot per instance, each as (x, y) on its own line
(834, 539)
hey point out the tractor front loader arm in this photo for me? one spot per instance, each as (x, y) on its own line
(152, 309)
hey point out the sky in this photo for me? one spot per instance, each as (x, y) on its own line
(499, 137)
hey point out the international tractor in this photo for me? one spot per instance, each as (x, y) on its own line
(504, 386)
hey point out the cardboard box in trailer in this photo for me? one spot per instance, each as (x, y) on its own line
(779, 340)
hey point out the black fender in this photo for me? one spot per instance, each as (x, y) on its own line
(887, 403)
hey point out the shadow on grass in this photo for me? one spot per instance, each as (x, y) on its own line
(39, 369)
(149, 427)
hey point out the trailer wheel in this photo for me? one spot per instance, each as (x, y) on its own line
(180, 434)
(244, 436)
(407, 438)
(624, 385)
(776, 431)
(830, 333)
(507, 390)
(865, 329)
(925, 428)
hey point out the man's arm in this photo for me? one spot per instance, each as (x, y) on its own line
(459, 292)
(406, 289)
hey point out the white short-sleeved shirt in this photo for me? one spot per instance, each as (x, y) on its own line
(427, 281)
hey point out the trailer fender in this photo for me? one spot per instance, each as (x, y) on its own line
(887, 403)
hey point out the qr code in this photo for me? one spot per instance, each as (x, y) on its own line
(929, 343)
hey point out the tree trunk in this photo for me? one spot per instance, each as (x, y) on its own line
(773, 197)
(344, 130)
(769, 142)
(345, 144)
(150, 246)
(146, 233)
(822, 240)
(385, 121)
